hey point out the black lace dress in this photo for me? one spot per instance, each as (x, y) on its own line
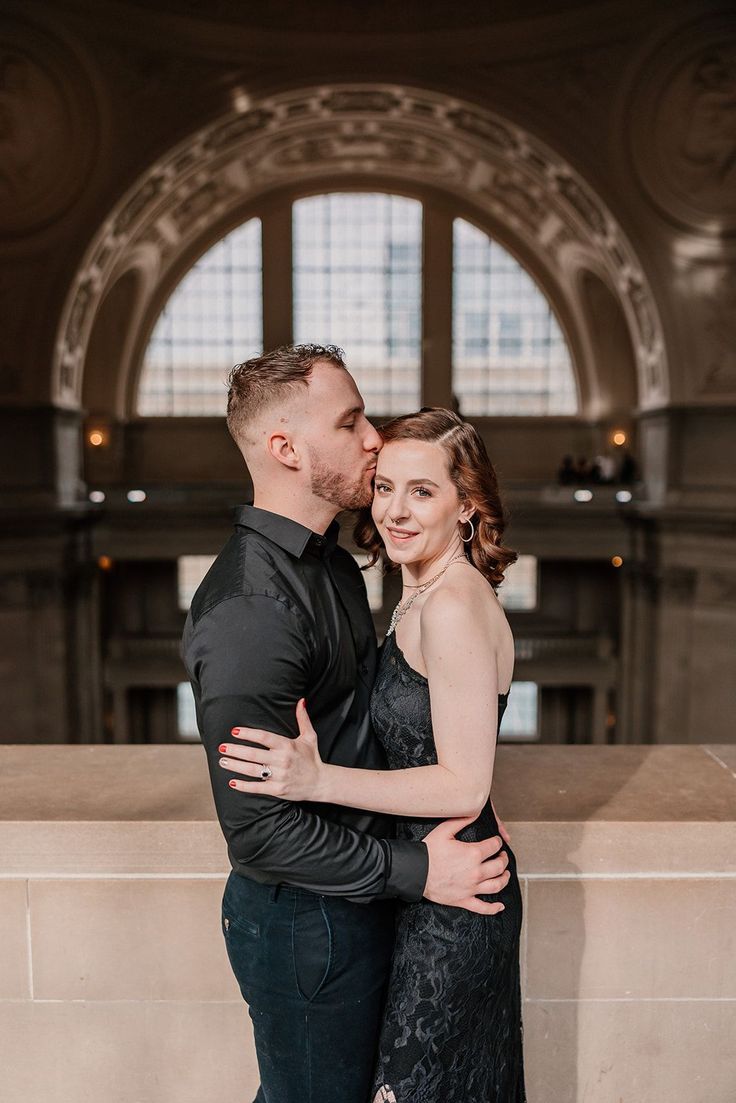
(452, 1028)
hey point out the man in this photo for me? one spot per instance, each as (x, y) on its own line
(283, 614)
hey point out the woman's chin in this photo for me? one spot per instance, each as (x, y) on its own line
(392, 555)
(399, 555)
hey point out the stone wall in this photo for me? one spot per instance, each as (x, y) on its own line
(115, 983)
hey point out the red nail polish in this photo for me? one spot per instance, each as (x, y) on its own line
(232, 784)
(234, 731)
(222, 748)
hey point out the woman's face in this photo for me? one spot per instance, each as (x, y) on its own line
(416, 507)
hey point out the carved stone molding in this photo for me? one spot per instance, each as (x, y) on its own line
(48, 129)
(405, 134)
(681, 118)
(709, 286)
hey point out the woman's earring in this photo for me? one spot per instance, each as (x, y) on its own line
(467, 539)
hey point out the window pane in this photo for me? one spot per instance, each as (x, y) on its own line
(357, 284)
(509, 353)
(519, 589)
(520, 720)
(191, 569)
(186, 713)
(212, 321)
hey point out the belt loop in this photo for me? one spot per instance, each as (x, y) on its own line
(275, 890)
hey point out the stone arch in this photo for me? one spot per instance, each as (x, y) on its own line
(611, 348)
(544, 211)
(109, 339)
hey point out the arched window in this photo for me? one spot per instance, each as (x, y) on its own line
(212, 321)
(509, 354)
(357, 283)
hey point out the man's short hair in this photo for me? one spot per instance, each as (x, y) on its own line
(268, 379)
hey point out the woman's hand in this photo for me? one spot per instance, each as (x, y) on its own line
(297, 771)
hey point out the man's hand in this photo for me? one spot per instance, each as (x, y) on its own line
(459, 871)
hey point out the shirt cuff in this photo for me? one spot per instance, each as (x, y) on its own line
(409, 870)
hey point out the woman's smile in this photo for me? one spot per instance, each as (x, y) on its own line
(399, 535)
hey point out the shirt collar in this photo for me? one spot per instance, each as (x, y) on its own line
(287, 534)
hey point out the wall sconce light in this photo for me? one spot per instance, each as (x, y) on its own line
(105, 563)
(617, 561)
(97, 437)
(241, 101)
(618, 437)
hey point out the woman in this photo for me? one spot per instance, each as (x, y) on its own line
(452, 1029)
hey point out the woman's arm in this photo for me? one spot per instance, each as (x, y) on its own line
(460, 657)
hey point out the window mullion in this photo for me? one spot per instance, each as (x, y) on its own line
(278, 325)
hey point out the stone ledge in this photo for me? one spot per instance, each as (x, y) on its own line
(572, 811)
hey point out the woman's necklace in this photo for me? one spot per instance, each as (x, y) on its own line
(420, 588)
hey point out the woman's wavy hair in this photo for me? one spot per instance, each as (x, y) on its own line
(474, 477)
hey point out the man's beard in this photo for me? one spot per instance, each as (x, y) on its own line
(332, 486)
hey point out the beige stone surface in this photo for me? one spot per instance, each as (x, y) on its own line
(126, 1053)
(666, 783)
(725, 754)
(531, 784)
(620, 1051)
(14, 964)
(51, 848)
(126, 939)
(633, 938)
(98, 782)
(134, 1001)
(601, 849)
(112, 810)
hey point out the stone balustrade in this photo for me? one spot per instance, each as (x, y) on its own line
(115, 986)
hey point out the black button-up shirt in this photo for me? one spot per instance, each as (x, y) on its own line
(283, 614)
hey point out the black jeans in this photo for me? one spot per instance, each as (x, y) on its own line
(313, 971)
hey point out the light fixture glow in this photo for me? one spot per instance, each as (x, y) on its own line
(96, 438)
(104, 563)
(582, 495)
(241, 101)
(97, 496)
(623, 495)
(619, 437)
(136, 495)
(617, 560)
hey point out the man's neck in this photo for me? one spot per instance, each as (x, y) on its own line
(313, 513)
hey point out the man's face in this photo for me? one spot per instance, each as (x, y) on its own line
(341, 443)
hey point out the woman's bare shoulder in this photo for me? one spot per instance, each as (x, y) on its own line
(461, 595)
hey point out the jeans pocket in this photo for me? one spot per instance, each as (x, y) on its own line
(312, 945)
(243, 925)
